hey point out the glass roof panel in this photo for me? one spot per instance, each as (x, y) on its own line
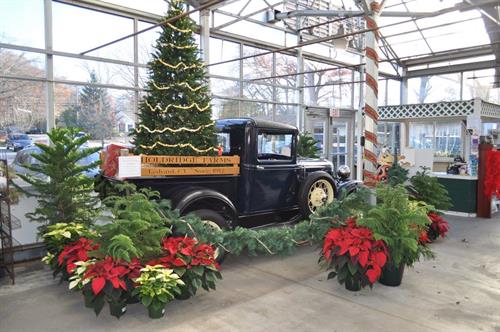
(412, 48)
(455, 16)
(457, 29)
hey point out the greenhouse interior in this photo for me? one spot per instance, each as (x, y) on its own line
(250, 165)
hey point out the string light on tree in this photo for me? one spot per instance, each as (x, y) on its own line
(167, 108)
(177, 130)
(184, 84)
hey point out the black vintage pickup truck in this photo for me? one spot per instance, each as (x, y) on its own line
(273, 186)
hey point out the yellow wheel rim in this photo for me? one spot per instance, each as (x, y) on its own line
(320, 194)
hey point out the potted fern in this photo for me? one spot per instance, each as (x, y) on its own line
(398, 222)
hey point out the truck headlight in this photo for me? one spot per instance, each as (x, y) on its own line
(344, 172)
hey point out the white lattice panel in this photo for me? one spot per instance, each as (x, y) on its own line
(430, 110)
(490, 110)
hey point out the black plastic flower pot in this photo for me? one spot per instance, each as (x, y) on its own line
(352, 284)
(183, 295)
(117, 309)
(392, 275)
(156, 312)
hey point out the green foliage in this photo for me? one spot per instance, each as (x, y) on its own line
(61, 234)
(398, 221)
(270, 241)
(95, 115)
(427, 189)
(64, 194)
(307, 146)
(180, 86)
(397, 175)
(136, 228)
(7, 186)
(156, 287)
(69, 117)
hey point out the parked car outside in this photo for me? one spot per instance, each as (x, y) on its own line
(3, 137)
(34, 131)
(24, 157)
(18, 141)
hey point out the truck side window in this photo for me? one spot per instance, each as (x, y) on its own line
(224, 141)
(274, 146)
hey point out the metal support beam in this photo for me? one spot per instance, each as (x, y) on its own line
(49, 66)
(136, 69)
(299, 82)
(205, 35)
(345, 13)
(452, 69)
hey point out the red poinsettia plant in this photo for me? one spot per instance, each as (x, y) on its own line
(74, 252)
(438, 227)
(354, 255)
(193, 261)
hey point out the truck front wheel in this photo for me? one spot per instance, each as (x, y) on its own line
(317, 190)
(216, 221)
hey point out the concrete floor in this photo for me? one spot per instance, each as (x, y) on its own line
(459, 291)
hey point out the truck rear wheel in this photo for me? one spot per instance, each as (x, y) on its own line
(216, 221)
(317, 190)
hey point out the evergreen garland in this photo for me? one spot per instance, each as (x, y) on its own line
(175, 116)
(273, 240)
(63, 193)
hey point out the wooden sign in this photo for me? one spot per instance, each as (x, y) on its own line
(190, 160)
(172, 165)
(179, 171)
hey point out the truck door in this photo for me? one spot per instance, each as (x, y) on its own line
(275, 176)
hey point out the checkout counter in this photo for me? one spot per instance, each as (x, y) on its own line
(462, 190)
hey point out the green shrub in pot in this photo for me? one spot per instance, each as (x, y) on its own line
(399, 222)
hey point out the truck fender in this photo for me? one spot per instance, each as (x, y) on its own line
(196, 198)
(348, 187)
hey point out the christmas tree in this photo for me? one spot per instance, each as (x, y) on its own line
(175, 116)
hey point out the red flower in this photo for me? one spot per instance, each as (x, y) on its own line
(438, 225)
(113, 271)
(185, 252)
(368, 254)
(424, 237)
(76, 251)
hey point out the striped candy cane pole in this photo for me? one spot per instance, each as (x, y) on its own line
(371, 95)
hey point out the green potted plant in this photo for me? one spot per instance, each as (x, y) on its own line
(157, 286)
(399, 223)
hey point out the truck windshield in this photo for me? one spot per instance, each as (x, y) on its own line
(274, 146)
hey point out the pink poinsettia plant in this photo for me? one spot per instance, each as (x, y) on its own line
(354, 255)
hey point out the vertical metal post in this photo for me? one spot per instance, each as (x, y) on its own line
(275, 90)
(299, 80)
(462, 85)
(136, 68)
(205, 35)
(240, 83)
(49, 65)
(403, 88)
(359, 123)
